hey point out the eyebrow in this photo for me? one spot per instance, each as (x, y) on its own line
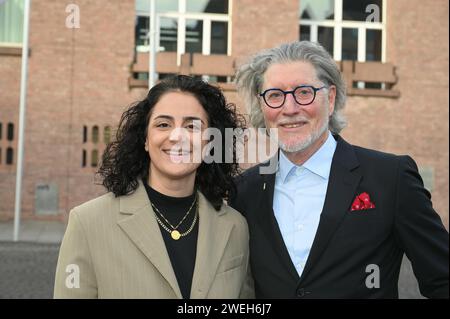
(185, 118)
(294, 87)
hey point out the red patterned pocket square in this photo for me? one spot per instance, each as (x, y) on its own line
(362, 201)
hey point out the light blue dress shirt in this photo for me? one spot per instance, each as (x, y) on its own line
(298, 200)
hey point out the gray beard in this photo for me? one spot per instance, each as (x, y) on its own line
(302, 145)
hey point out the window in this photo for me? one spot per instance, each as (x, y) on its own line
(94, 158)
(168, 39)
(9, 156)
(90, 149)
(207, 6)
(11, 21)
(85, 133)
(349, 30)
(219, 36)
(107, 134)
(185, 26)
(167, 27)
(10, 132)
(325, 36)
(349, 44)
(194, 36)
(373, 45)
(95, 133)
(83, 159)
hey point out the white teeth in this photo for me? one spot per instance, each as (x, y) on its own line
(177, 153)
(292, 125)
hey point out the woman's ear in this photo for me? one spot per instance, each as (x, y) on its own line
(146, 145)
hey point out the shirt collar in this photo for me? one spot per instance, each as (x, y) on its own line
(319, 163)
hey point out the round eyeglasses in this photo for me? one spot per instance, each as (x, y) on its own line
(303, 95)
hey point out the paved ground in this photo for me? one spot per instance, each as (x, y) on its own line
(27, 268)
(34, 231)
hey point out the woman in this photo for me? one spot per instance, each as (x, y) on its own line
(163, 230)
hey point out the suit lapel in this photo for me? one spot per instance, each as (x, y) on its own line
(343, 182)
(269, 224)
(213, 236)
(143, 230)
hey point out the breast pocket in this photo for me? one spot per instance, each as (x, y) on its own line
(363, 227)
(230, 263)
(362, 213)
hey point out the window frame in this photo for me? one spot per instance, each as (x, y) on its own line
(181, 16)
(338, 24)
(12, 44)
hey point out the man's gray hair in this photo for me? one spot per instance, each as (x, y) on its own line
(250, 77)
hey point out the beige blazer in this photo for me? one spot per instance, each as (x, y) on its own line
(113, 248)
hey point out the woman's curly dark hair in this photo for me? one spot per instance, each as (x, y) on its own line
(125, 160)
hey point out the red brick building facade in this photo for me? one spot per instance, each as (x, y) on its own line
(80, 82)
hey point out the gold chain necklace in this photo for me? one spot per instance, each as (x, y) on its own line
(178, 225)
(175, 234)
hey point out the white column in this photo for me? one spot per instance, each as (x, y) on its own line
(22, 112)
(152, 44)
(361, 44)
(361, 50)
(337, 41)
(383, 33)
(337, 44)
(181, 37)
(229, 25)
(206, 41)
(314, 33)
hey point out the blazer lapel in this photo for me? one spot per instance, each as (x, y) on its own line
(143, 230)
(269, 224)
(343, 182)
(213, 236)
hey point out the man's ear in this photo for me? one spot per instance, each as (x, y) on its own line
(331, 98)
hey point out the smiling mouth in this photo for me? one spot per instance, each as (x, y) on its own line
(292, 125)
(176, 153)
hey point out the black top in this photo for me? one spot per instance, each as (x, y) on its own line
(182, 252)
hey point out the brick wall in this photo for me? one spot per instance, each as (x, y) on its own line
(79, 77)
(257, 25)
(416, 123)
(9, 101)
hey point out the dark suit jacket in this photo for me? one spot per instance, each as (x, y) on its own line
(347, 242)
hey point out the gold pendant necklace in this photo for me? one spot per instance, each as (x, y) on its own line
(174, 233)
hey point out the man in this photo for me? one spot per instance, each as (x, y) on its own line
(334, 220)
